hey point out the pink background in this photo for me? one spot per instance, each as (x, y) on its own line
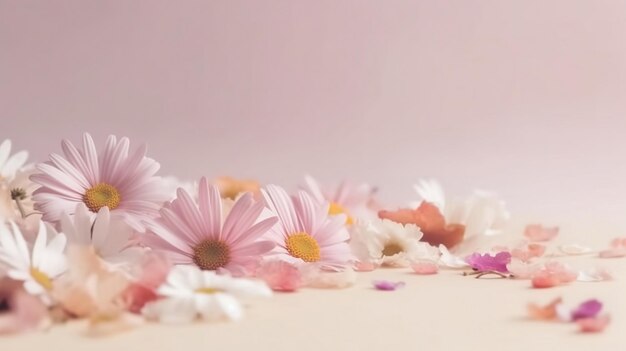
(525, 98)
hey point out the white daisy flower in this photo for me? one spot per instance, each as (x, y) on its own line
(10, 164)
(111, 237)
(384, 242)
(36, 267)
(190, 293)
(482, 213)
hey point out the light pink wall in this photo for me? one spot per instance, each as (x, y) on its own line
(526, 98)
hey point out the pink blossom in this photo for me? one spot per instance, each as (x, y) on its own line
(487, 262)
(537, 232)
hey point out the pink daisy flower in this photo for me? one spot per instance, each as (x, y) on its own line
(353, 200)
(194, 233)
(123, 182)
(305, 231)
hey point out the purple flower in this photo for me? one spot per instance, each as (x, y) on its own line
(587, 309)
(487, 262)
(386, 285)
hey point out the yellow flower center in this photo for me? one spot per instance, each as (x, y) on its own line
(101, 195)
(392, 248)
(41, 278)
(303, 246)
(207, 291)
(211, 254)
(336, 209)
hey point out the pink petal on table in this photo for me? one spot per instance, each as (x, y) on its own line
(387, 285)
(593, 325)
(280, 275)
(543, 279)
(487, 262)
(537, 232)
(521, 270)
(425, 267)
(364, 266)
(547, 312)
(615, 252)
(587, 309)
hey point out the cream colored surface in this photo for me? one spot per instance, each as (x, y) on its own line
(442, 312)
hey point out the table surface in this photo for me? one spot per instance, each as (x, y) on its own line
(446, 311)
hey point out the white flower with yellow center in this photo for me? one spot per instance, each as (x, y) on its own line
(190, 293)
(387, 243)
(37, 267)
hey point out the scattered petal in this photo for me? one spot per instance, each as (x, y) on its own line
(487, 262)
(321, 279)
(425, 267)
(387, 285)
(593, 325)
(537, 232)
(547, 312)
(594, 275)
(574, 249)
(588, 309)
(521, 269)
(449, 260)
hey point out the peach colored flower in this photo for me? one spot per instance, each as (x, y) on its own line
(431, 222)
(230, 187)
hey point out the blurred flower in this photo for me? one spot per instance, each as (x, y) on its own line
(193, 232)
(431, 223)
(482, 213)
(384, 242)
(537, 232)
(37, 267)
(111, 237)
(280, 275)
(170, 184)
(10, 164)
(230, 187)
(123, 182)
(150, 273)
(19, 311)
(190, 293)
(522, 269)
(305, 231)
(353, 200)
(90, 288)
(487, 262)
(387, 285)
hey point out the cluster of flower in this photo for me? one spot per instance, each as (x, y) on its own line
(96, 234)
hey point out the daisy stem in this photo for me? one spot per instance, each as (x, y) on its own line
(501, 275)
(20, 207)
